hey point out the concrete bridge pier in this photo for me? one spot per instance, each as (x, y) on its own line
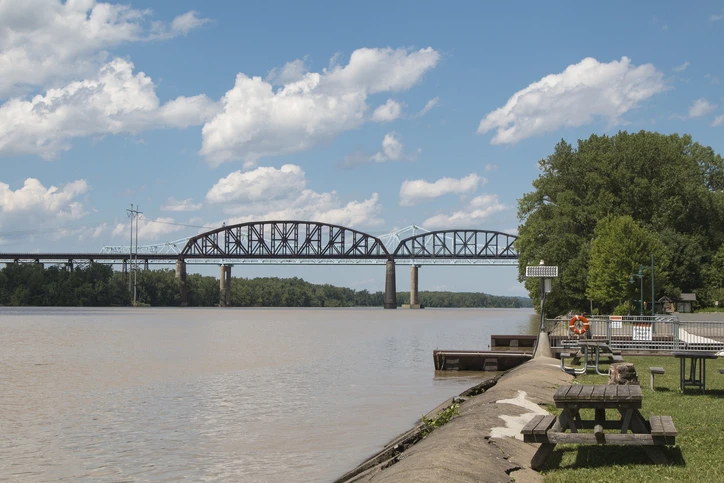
(390, 300)
(225, 286)
(181, 275)
(414, 299)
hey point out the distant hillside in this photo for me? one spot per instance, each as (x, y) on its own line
(98, 285)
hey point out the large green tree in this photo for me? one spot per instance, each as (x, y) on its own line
(668, 184)
(619, 248)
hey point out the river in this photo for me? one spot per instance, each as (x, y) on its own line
(165, 394)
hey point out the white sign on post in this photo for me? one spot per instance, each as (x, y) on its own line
(541, 271)
(642, 331)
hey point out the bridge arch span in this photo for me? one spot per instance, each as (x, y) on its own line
(284, 239)
(458, 244)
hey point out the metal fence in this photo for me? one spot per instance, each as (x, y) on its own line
(644, 333)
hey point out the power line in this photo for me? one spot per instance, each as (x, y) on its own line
(177, 224)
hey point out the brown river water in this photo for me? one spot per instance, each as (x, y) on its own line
(258, 395)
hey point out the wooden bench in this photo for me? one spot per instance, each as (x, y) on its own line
(663, 430)
(655, 370)
(537, 428)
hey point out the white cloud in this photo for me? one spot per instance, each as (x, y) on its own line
(33, 199)
(263, 183)
(42, 41)
(268, 193)
(115, 101)
(413, 192)
(491, 167)
(383, 70)
(430, 104)
(478, 210)
(258, 120)
(34, 205)
(290, 72)
(181, 205)
(387, 112)
(682, 67)
(149, 230)
(392, 150)
(186, 22)
(575, 97)
(701, 107)
(713, 79)
(716, 17)
(718, 121)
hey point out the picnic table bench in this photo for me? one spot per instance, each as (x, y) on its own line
(550, 430)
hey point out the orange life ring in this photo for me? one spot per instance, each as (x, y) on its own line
(578, 324)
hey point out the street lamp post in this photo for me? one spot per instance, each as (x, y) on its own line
(545, 273)
(640, 275)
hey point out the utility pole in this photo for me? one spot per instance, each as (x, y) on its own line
(133, 214)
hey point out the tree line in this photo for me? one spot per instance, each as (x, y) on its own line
(601, 209)
(99, 285)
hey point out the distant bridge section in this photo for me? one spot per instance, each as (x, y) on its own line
(285, 240)
(304, 242)
(459, 245)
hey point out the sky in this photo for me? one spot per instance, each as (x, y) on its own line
(374, 115)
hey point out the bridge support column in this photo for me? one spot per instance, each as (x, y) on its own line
(225, 286)
(390, 300)
(184, 288)
(414, 299)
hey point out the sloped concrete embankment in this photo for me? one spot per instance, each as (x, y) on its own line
(483, 443)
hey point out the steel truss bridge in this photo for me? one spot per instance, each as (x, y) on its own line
(304, 242)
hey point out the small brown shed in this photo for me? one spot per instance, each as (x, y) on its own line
(685, 303)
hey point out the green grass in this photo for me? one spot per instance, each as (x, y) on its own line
(699, 420)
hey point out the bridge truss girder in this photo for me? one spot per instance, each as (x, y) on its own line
(285, 239)
(458, 244)
(305, 243)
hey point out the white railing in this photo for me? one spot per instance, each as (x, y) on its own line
(646, 333)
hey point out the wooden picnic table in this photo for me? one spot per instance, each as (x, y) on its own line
(627, 400)
(697, 358)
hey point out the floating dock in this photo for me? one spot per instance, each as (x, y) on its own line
(446, 360)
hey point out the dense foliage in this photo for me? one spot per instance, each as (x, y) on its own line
(601, 209)
(99, 285)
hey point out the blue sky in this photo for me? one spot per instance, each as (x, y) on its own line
(373, 116)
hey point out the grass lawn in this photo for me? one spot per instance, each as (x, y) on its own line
(699, 420)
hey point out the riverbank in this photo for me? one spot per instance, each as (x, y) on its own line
(482, 444)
